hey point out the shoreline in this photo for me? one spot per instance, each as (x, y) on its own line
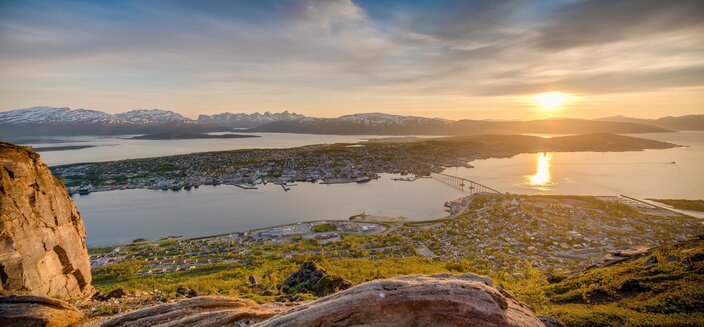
(390, 222)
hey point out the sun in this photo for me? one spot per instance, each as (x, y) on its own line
(550, 100)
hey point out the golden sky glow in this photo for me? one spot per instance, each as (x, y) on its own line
(550, 100)
(450, 59)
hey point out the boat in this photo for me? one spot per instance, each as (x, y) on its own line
(84, 190)
(187, 187)
(363, 179)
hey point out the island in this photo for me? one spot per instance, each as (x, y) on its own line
(327, 163)
(189, 136)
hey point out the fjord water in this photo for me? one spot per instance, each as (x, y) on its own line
(119, 217)
(662, 174)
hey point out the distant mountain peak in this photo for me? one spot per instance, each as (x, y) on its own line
(152, 116)
(51, 115)
(243, 120)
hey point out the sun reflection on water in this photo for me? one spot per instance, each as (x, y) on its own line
(542, 177)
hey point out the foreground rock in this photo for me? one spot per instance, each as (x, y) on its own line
(439, 300)
(29, 310)
(198, 311)
(312, 279)
(42, 236)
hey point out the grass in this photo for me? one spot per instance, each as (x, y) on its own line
(324, 228)
(683, 204)
(635, 293)
(669, 292)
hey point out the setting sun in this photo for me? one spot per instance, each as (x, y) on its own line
(550, 100)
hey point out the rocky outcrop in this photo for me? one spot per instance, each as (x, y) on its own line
(312, 279)
(439, 300)
(42, 236)
(29, 310)
(198, 311)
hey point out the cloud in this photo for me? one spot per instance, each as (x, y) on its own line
(600, 21)
(305, 50)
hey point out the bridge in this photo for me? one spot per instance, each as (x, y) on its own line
(463, 184)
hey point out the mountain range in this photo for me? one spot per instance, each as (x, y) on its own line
(65, 121)
(688, 122)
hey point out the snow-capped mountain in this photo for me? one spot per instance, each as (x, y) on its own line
(365, 123)
(65, 121)
(151, 116)
(378, 118)
(49, 115)
(242, 120)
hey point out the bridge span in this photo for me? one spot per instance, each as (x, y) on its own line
(463, 184)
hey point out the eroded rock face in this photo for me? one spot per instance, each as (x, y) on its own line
(42, 236)
(439, 300)
(29, 310)
(198, 311)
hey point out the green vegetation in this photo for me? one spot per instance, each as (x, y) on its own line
(324, 228)
(537, 249)
(641, 291)
(661, 288)
(683, 204)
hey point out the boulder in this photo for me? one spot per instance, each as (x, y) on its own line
(312, 279)
(30, 310)
(197, 311)
(116, 293)
(551, 322)
(185, 291)
(439, 300)
(42, 236)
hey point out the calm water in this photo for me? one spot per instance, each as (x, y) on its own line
(642, 174)
(118, 148)
(121, 216)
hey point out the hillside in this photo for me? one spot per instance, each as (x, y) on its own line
(682, 123)
(529, 249)
(427, 126)
(663, 286)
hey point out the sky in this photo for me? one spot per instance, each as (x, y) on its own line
(451, 59)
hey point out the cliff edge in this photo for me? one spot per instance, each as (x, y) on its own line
(42, 236)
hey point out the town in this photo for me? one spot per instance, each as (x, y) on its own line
(494, 232)
(327, 163)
